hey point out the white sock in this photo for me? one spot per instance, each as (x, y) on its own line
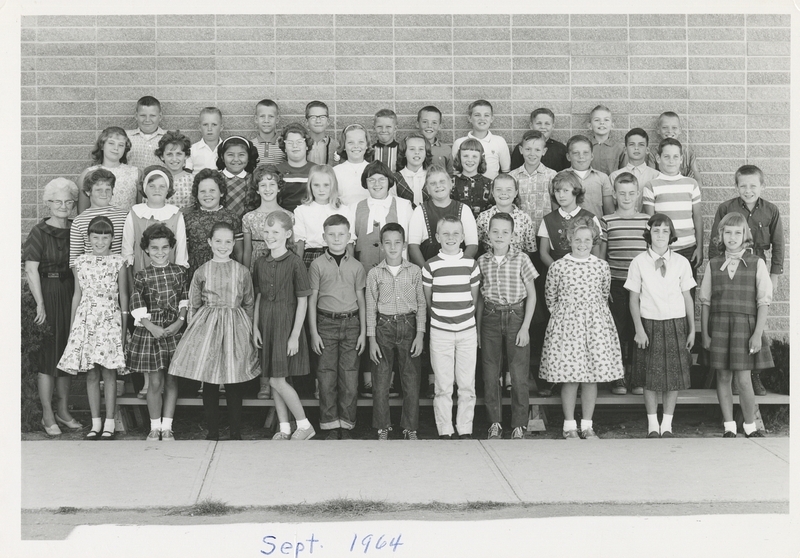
(97, 424)
(666, 423)
(109, 425)
(155, 424)
(749, 428)
(286, 428)
(570, 425)
(652, 423)
(303, 423)
(729, 426)
(585, 425)
(166, 423)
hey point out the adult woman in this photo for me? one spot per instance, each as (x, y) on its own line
(46, 255)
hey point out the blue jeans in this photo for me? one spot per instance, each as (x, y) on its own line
(396, 333)
(499, 328)
(338, 372)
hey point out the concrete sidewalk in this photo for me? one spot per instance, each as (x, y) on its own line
(257, 473)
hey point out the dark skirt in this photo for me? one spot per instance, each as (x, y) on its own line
(311, 254)
(276, 321)
(730, 343)
(57, 295)
(665, 364)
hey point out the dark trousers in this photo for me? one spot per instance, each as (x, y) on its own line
(396, 333)
(233, 396)
(621, 312)
(688, 253)
(499, 328)
(338, 372)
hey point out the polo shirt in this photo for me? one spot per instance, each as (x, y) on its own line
(451, 279)
(495, 150)
(504, 281)
(643, 174)
(554, 158)
(608, 155)
(294, 188)
(269, 153)
(442, 154)
(675, 196)
(534, 191)
(596, 186)
(337, 284)
(660, 298)
(625, 238)
(203, 157)
(143, 147)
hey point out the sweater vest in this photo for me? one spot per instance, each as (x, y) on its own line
(368, 235)
(737, 295)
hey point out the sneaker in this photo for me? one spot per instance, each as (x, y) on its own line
(167, 436)
(729, 434)
(495, 431)
(281, 436)
(304, 433)
(410, 435)
(588, 434)
(367, 391)
(465, 436)
(346, 434)
(154, 436)
(570, 434)
(618, 387)
(758, 387)
(637, 390)
(518, 433)
(383, 434)
(333, 434)
(755, 434)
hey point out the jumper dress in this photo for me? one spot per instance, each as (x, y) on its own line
(432, 213)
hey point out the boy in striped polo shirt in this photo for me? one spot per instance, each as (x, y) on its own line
(450, 282)
(678, 197)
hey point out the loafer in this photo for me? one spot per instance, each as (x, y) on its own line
(667, 434)
(570, 434)
(345, 435)
(756, 434)
(53, 430)
(333, 434)
(729, 434)
(465, 437)
(167, 436)
(589, 434)
(304, 433)
(153, 436)
(653, 434)
(71, 424)
(618, 387)
(264, 393)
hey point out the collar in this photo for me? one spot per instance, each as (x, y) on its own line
(257, 139)
(574, 259)
(734, 256)
(662, 176)
(451, 257)
(138, 132)
(588, 171)
(631, 166)
(569, 215)
(146, 212)
(403, 264)
(324, 141)
(667, 255)
(495, 210)
(210, 210)
(744, 205)
(405, 171)
(203, 145)
(487, 139)
(328, 255)
(607, 141)
(436, 142)
(229, 174)
(510, 255)
(285, 255)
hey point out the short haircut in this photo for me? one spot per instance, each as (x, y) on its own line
(502, 217)
(148, 101)
(393, 227)
(100, 225)
(449, 219)
(316, 104)
(532, 135)
(599, 108)
(733, 219)
(335, 220)
(668, 114)
(264, 171)
(385, 113)
(97, 152)
(657, 220)
(567, 178)
(435, 169)
(377, 167)
(295, 128)
(327, 170)
(154, 232)
(343, 139)
(577, 138)
(252, 152)
(217, 177)
(543, 110)
(96, 177)
(268, 103)
(402, 161)
(173, 138)
(626, 178)
(221, 226)
(748, 170)
(428, 108)
(60, 184)
(210, 110)
(479, 103)
(583, 222)
(147, 180)
(637, 132)
(283, 219)
(470, 144)
(669, 141)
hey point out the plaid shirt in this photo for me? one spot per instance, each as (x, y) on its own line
(534, 192)
(143, 147)
(524, 238)
(504, 282)
(390, 295)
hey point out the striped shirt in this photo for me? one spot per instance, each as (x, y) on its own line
(504, 282)
(269, 153)
(625, 237)
(451, 279)
(387, 154)
(79, 236)
(294, 190)
(394, 294)
(675, 196)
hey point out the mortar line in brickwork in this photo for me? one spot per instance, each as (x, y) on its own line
(452, 80)
(275, 55)
(689, 121)
(511, 62)
(394, 66)
(569, 72)
(335, 80)
(96, 71)
(746, 97)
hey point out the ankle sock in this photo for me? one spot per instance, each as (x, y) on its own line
(749, 428)
(97, 424)
(303, 423)
(730, 426)
(109, 425)
(286, 428)
(166, 423)
(155, 424)
(652, 423)
(666, 423)
(585, 425)
(570, 425)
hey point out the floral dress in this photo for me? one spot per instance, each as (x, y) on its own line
(581, 343)
(96, 335)
(182, 197)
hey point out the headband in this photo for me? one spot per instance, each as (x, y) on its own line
(157, 173)
(235, 137)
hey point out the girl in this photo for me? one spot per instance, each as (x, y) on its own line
(237, 158)
(282, 288)
(505, 192)
(295, 143)
(660, 281)
(355, 155)
(268, 183)
(158, 306)
(735, 295)
(211, 194)
(470, 186)
(414, 157)
(322, 200)
(111, 152)
(581, 346)
(97, 332)
(217, 347)
(173, 150)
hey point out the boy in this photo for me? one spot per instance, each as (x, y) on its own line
(554, 155)
(204, 152)
(396, 310)
(622, 239)
(323, 151)
(385, 125)
(599, 198)
(607, 154)
(764, 220)
(678, 197)
(145, 138)
(450, 281)
(669, 126)
(636, 153)
(266, 139)
(293, 142)
(533, 177)
(336, 310)
(504, 315)
(98, 186)
(495, 148)
(429, 120)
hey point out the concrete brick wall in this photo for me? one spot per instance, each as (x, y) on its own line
(727, 75)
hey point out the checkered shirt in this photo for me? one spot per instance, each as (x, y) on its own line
(534, 191)
(504, 282)
(390, 295)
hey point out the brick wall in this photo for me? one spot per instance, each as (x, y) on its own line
(727, 75)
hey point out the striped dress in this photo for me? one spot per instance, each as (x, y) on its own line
(451, 279)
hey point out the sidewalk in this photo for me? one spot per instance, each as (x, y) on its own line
(689, 470)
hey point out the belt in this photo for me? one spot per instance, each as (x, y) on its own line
(396, 317)
(56, 275)
(337, 315)
(494, 306)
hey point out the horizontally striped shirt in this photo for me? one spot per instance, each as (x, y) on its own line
(625, 237)
(269, 153)
(675, 196)
(391, 295)
(294, 188)
(451, 279)
(504, 282)
(79, 237)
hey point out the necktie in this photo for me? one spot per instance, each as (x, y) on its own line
(661, 264)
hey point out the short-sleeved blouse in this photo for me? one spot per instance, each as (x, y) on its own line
(49, 246)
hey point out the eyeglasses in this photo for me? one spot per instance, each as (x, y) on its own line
(62, 203)
(295, 143)
(379, 180)
(317, 117)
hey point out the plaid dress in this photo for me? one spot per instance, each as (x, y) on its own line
(159, 290)
(239, 195)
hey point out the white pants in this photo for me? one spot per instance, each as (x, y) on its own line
(453, 358)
